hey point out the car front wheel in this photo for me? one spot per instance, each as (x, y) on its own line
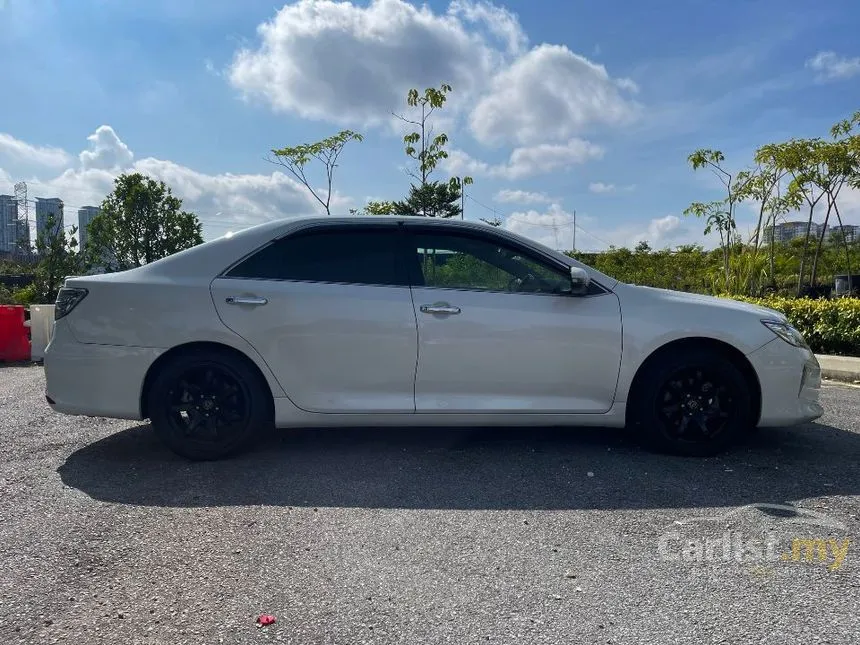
(694, 403)
(208, 405)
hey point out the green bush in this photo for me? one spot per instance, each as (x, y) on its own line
(6, 296)
(829, 326)
(25, 295)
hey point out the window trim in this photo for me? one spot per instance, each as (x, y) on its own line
(489, 236)
(323, 228)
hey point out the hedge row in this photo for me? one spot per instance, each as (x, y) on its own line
(829, 326)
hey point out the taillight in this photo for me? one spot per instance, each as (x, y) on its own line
(67, 299)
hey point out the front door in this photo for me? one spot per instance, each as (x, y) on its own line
(498, 333)
(330, 311)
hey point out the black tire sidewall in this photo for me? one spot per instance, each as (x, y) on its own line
(260, 415)
(648, 425)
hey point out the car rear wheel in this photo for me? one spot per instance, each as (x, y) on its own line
(208, 405)
(696, 403)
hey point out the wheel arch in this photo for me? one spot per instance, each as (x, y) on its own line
(187, 348)
(723, 348)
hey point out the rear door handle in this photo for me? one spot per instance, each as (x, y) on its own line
(245, 300)
(440, 308)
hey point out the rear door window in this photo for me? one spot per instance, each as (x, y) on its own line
(347, 254)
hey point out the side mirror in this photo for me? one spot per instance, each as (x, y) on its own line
(579, 281)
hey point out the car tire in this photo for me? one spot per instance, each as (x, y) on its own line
(695, 403)
(207, 405)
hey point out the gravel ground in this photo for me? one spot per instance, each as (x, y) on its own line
(416, 536)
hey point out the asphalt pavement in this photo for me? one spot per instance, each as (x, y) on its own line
(425, 535)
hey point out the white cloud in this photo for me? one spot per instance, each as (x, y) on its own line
(106, 151)
(349, 64)
(526, 161)
(664, 229)
(499, 22)
(221, 201)
(16, 151)
(550, 93)
(830, 66)
(600, 187)
(352, 65)
(554, 228)
(246, 199)
(508, 196)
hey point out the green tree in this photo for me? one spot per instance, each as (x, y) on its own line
(376, 207)
(422, 145)
(803, 160)
(58, 259)
(140, 221)
(433, 199)
(848, 141)
(427, 149)
(326, 152)
(723, 217)
(716, 218)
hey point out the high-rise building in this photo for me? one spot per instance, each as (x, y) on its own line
(8, 222)
(46, 208)
(787, 231)
(14, 232)
(86, 214)
(852, 233)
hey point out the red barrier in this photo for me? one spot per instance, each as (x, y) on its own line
(14, 335)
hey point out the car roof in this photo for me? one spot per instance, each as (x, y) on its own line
(213, 256)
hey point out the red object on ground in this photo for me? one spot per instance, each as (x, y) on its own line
(14, 335)
(265, 619)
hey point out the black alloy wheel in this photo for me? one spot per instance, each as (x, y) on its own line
(693, 403)
(209, 405)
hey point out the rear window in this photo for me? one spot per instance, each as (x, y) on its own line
(345, 255)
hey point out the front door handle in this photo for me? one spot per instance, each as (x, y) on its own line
(245, 300)
(440, 308)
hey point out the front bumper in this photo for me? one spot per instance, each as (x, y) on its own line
(790, 379)
(95, 380)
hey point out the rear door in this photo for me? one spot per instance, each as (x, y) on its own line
(499, 333)
(330, 311)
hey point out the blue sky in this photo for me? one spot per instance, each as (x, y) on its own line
(586, 106)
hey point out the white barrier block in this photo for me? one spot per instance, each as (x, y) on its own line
(41, 330)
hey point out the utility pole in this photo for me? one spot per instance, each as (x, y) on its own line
(574, 230)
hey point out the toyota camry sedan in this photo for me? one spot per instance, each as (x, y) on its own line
(386, 321)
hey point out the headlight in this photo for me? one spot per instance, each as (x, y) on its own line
(785, 331)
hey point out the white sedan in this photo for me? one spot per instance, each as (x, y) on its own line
(371, 321)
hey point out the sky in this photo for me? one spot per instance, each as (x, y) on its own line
(557, 107)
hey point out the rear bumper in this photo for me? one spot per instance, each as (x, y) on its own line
(790, 379)
(95, 380)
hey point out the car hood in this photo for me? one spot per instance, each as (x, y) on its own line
(667, 296)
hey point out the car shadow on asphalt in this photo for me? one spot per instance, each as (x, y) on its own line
(485, 468)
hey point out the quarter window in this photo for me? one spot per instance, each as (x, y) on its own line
(346, 255)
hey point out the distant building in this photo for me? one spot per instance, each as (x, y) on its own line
(14, 232)
(8, 222)
(86, 214)
(788, 231)
(852, 233)
(47, 207)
